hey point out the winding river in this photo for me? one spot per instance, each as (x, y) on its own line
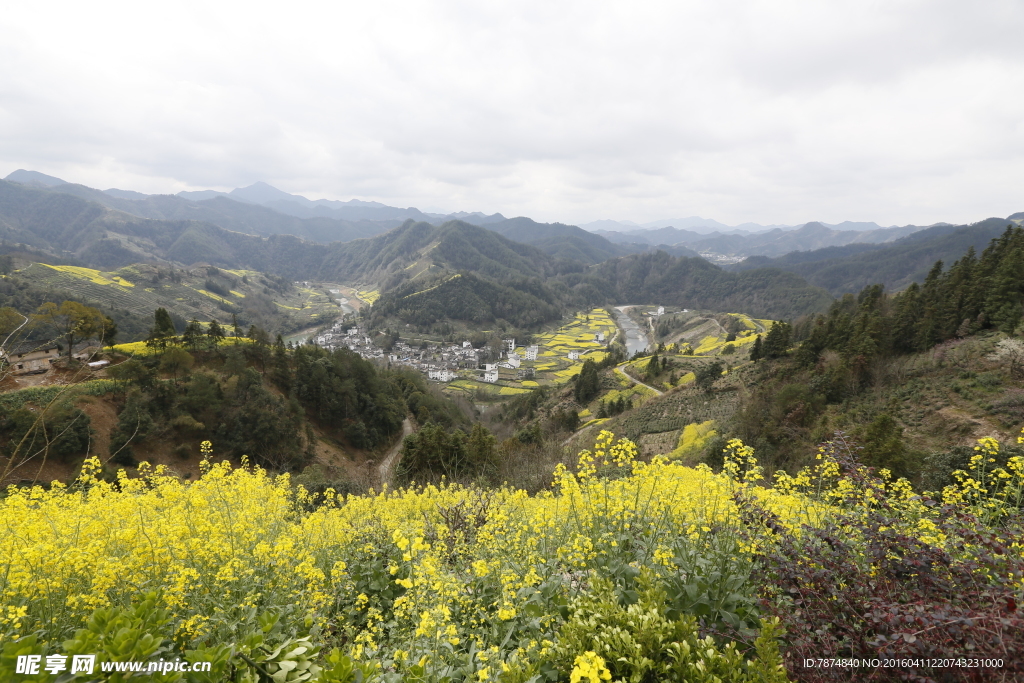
(636, 338)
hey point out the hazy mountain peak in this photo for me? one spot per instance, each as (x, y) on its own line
(34, 178)
(125, 194)
(859, 226)
(261, 193)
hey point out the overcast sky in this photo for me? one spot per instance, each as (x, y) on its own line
(774, 112)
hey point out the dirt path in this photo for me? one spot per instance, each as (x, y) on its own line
(618, 369)
(577, 433)
(387, 466)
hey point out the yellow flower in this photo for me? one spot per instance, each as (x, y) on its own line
(589, 667)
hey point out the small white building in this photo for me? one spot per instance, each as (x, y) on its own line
(491, 376)
(441, 375)
(532, 352)
(600, 336)
(467, 345)
(514, 361)
(510, 344)
(490, 366)
(661, 310)
(574, 355)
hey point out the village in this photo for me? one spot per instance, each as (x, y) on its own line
(440, 362)
(550, 358)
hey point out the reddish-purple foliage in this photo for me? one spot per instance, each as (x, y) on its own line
(889, 595)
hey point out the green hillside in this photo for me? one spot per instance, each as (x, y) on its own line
(695, 283)
(465, 297)
(203, 293)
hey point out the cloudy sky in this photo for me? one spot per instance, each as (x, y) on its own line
(774, 112)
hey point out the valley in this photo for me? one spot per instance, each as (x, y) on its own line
(510, 395)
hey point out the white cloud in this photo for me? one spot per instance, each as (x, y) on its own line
(766, 111)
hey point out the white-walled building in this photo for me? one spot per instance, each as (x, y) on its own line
(661, 310)
(442, 375)
(510, 344)
(532, 352)
(491, 376)
(600, 336)
(490, 366)
(574, 355)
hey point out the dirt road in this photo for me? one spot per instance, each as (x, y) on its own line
(618, 369)
(387, 466)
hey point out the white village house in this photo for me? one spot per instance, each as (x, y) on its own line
(444, 375)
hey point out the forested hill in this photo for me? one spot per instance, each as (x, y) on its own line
(525, 303)
(69, 226)
(694, 283)
(974, 293)
(851, 268)
(567, 241)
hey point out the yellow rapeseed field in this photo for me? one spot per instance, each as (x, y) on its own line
(435, 576)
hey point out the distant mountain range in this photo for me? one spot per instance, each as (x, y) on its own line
(895, 264)
(265, 211)
(770, 242)
(705, 226)
(258, 194)
(517, 269)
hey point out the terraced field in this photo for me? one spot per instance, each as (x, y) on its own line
(553, 365)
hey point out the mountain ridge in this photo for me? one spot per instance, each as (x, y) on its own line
(850, 268)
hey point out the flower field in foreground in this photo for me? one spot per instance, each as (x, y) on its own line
(625, 570)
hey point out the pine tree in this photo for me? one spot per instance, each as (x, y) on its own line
(280, 372)
(214, 333)
(777, 342)
(755, 351)
(192, 334)
(588, 384)
(653, 366)
(163, 332)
